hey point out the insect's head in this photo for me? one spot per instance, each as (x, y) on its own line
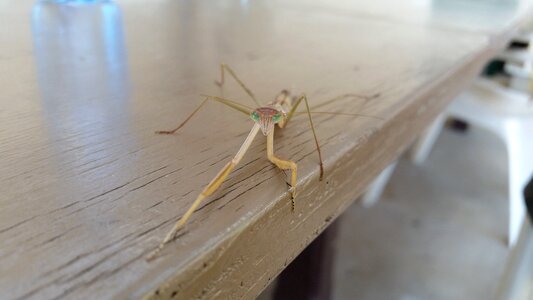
(266, 117)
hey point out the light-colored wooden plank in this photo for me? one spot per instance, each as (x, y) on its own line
(88, 189)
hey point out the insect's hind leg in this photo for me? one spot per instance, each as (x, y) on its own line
(224, 67)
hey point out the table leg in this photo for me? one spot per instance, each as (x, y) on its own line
(310, 275)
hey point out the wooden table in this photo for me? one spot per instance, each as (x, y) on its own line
(88, 189)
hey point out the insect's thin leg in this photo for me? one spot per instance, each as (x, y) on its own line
(293, 109)
(224, 67)
(289, 116)
(209, 189)
(237, 106)
(184, 122)
(282, 164)
(314, 136)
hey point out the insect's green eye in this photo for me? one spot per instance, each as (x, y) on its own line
(276, 118)
(255, 116)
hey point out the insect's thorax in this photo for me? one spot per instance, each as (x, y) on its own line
(282, 102)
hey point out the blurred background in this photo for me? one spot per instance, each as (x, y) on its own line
(448, 220)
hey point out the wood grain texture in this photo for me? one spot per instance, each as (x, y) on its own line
(88, 189)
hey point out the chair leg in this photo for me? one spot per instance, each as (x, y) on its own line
(514, 280)
(519, 141)
(423, 145)
(375, 190)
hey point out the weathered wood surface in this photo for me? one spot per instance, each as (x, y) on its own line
(88, 189)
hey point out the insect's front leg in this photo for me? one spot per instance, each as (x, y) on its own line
(283, 164)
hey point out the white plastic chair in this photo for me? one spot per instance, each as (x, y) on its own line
(518, 64)
(375, 189)
(508, 114)
(518, 273)
(515, 283)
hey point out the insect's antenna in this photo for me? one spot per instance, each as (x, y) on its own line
(346, 96)
(338, 113)
(207, 191)
(230, 103)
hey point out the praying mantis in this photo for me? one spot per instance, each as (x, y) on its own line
(277, 112)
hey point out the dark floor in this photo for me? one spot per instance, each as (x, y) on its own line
(439, 231)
